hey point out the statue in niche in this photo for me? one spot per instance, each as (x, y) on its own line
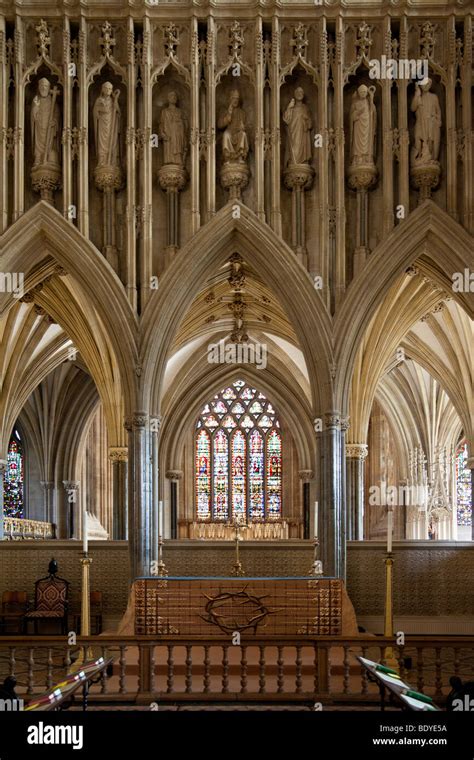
(362, 126)
(425, 105)
(297, 117)
(235, 144)
(106, 115)
(172, 130)
(45, 125)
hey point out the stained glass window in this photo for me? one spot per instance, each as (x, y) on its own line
(463, 488)
(239, 473)
(238, 457)
(13, 479)
(274, 473)
(203, 475)
(221, 475)
(256, 475)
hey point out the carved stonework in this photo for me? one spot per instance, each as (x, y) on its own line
(237, 274)
(118, 454)
(174, 474)
(46, 135)
(357, 450)
(172, 177)
(332, 420)
(234, 178)
(425, 178)
(107, 126)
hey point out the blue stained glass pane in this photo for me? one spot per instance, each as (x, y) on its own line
(13, 480)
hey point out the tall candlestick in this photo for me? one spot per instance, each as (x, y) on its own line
(160, 519)
(84, 532)
(315, 519)
(389, 531)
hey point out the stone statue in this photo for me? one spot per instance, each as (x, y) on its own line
(297, 116)
(172, 131)
(45, 125)
(425, 105)
(235, 145)
(362, 126)
(106, 116)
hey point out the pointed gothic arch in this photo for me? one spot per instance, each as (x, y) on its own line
(208, 250)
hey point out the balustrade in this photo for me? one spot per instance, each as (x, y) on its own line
(266, 670)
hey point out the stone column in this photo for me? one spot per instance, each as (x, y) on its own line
(48, 486)
(140, 524)
(3, 467)
(155, 480)
(71, 491)
(356, 454)
(118, 455)
(3, 135)
(211, 58)
(174, 476)
(19, 129)
(298, 178)
(172, 179)
(332, 497)
(305, 476)
(361, 179)
(145, 182)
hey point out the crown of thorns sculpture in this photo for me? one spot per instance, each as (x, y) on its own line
(257, 612)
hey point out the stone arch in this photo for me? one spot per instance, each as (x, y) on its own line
(208, 250)
(429, 232)
(42, 239)
(292, 409)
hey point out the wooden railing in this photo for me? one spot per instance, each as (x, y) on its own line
(19, 528)
(259, 669)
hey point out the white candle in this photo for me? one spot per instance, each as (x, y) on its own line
(160, 519)
(389, 531)
(84, 532)
(315, 519)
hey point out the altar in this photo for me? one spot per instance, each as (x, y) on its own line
(213, 607)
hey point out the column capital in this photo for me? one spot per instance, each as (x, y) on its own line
(48, 485)
(305, 475)
(332, 420)
(118, 454)
(136, 420)
(345, 423)
(3, 465)
(174, 474)
(469, 463)
(71, 485)
(356, 450)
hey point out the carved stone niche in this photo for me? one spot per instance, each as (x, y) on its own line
(107, 157)
(362, 149)
(299, 156)
(171, 159)
(235, 129)
(43, 133)
(426, 131)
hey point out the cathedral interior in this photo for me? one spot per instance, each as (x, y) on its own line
(236, 342)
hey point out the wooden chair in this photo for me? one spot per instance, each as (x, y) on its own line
(13, 611)
(51, 602)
